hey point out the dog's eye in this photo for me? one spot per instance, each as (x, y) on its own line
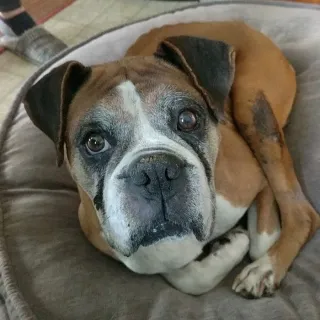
(187, 121)
(95, 143)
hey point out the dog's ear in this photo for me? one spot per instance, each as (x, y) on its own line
(47, 102)
(210, 64)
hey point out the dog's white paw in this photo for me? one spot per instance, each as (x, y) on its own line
(232, 246)
(200, 276)
(256, 280)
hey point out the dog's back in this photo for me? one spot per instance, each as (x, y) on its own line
(262, 95)
(257, 57)
(236, 33)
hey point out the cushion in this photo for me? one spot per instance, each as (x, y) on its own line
(50, 271)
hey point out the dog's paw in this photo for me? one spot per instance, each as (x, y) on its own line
(204, 274)
(237, 234)
(256, 280)
(233, 245)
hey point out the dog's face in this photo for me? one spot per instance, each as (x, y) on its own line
(143, 151)
(141, 140)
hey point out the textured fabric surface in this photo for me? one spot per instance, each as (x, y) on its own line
(50, 271)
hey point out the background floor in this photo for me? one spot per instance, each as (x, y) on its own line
(76, 23)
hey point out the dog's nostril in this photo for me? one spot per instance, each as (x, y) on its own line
(141, 179)
(172, 172)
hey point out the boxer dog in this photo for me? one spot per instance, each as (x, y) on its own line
(171, 145)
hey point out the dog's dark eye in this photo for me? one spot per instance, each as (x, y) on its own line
(187, 121)
(95, 143)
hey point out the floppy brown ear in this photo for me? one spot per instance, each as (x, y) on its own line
(47, 102)
(209, 63)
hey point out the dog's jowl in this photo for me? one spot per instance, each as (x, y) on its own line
(171, 145)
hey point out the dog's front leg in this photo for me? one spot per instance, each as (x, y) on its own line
(257, 278)
(202, 275)
(260, 118)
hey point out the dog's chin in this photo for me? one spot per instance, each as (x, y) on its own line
(140, 223)
(164, 247)
(171, 252)
(162, 230)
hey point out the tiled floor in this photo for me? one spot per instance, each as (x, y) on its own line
(74, 24)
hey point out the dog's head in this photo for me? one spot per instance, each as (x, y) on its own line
(141, 139)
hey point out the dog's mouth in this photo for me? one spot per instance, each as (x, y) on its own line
(163, 230)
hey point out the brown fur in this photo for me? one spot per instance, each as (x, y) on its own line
(261, 104)
(261, 100)
(268, 211)
(103, 79)
(90, 224)
(106, 77)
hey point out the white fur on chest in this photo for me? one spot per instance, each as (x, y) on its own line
(179, 252)
(167, 254)
(226, 216)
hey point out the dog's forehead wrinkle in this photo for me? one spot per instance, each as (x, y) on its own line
(98, 117)
(108, 115)
(175, 99)
(162, 94)
(104, 78)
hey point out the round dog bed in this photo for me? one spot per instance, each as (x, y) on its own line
(50, 271)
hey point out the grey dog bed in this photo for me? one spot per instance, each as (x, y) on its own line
(48, 269)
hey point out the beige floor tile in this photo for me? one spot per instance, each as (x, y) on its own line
(187, 4)
(64, 30)
(8, 99)
(156, 7)
(76, 40)
(88, 32)
(118, 13)
(6, 104)
(96, 5)
(79, 13)
(9, 83)
(127, 8)
(12, 64)
(103, 22)
(84, 34)
(2, 116)
(4, 108)
(78, 22)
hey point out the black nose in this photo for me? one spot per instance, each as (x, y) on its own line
(156, 172)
